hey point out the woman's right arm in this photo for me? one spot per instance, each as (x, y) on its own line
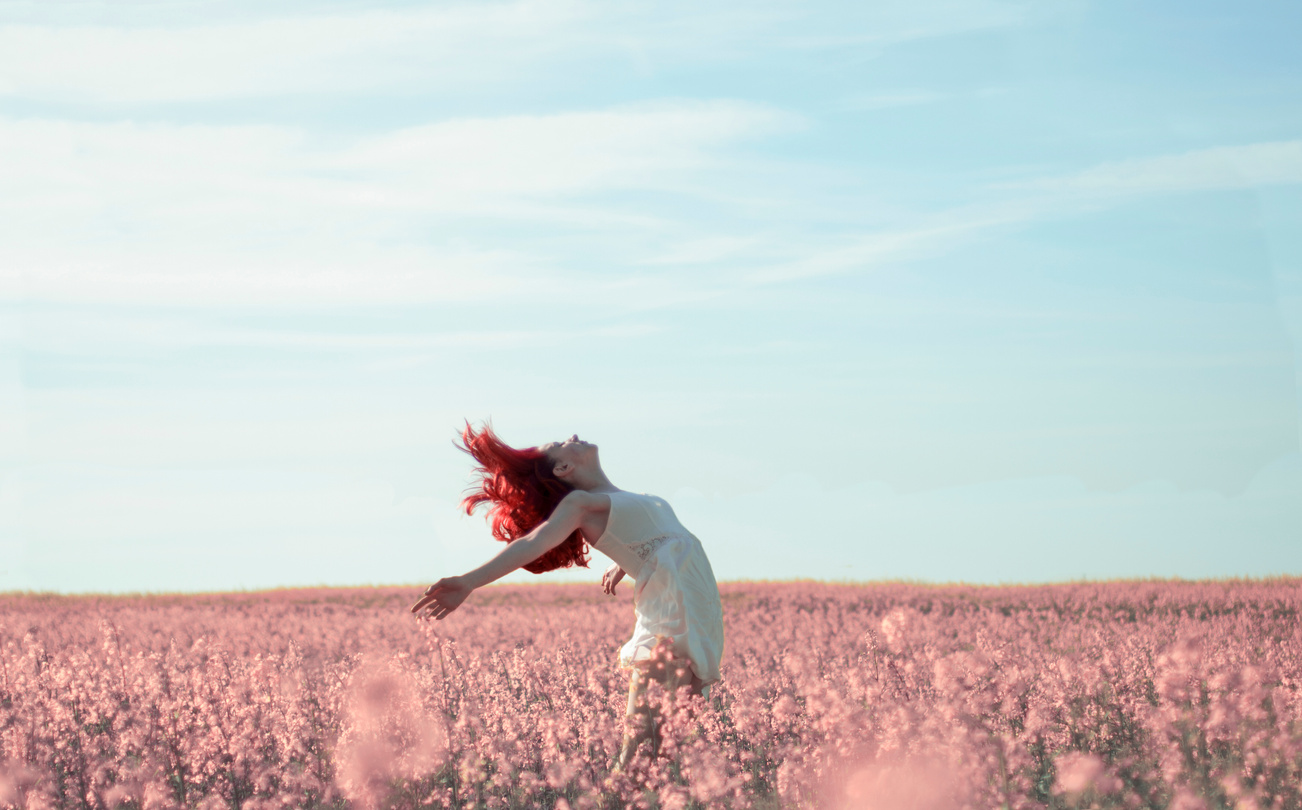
(448, 593)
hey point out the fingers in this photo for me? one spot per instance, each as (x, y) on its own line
(432, 609)
(431, 593)
(610, 579)
(424, 600)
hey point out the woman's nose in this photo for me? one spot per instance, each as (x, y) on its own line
(574, 438)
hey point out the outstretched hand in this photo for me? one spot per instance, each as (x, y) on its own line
(611, 578)
(442, 598)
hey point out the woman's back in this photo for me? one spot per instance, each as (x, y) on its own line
(637, 526)
(675, 593)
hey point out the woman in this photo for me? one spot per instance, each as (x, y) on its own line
(548, 504)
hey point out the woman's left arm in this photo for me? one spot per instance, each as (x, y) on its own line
(448, 593)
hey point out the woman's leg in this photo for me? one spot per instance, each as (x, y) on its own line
(642, 722)
(638, 720)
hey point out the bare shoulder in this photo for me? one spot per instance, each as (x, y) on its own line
(584, 501)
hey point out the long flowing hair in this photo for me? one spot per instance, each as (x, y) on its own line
(521, 491)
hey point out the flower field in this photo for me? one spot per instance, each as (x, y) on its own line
(892, 696)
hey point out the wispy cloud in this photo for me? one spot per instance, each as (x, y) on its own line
(882, 101)
(708, 250)
(104, 333)
(1221, 167)
(336, 53)
(443, 165)
(207, 213)
(1228, 167)
(885, 23)
(644, 146)
(871, 250)
(144, 56)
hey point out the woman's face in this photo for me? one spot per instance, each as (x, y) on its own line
(574, 450)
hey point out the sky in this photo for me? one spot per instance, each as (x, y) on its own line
(940, 290)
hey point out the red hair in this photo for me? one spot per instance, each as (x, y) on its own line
(522, 491)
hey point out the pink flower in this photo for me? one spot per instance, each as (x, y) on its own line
(1079, 772)
(895, 628)
(901, 784)
(1185, 800)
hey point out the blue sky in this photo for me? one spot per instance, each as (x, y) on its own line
(976, 291)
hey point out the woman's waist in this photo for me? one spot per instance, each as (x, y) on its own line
(648, 548)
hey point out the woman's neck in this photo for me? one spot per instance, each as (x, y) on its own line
(592, 481)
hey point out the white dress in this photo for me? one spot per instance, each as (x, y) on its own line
(674, 595)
